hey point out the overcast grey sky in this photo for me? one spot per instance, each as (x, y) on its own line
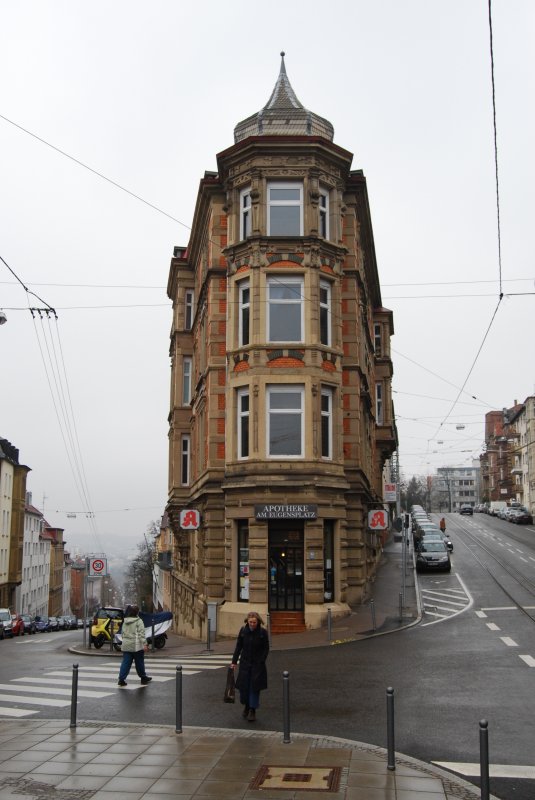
(147, 94)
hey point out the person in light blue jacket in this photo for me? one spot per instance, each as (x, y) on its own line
(133, 647)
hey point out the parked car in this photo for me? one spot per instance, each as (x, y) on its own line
(41, 623)
(29, 624)
(73, 623)
(522, 517)
(466, 508)
(437, 535)
(53, 624)
(17, 625)
(6, 622)
(433, 556)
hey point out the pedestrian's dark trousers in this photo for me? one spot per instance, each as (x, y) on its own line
(139, 659)
(247, 696)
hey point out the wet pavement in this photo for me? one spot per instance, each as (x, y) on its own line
(50, 760)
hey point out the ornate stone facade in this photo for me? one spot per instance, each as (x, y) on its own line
(281, 414)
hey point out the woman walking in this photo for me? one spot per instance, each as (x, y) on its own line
(252, 648)
(133, 647)
(442, 525)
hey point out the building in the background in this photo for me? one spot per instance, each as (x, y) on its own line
(455, 486)
(508, 463)
(32, 594)
(12, 504)
(163, 565)
(66, 584)
(57, 565)
(281, 414)
(78, 579)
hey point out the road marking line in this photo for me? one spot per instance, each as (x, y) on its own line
(508, 641)
(34, 701)
(519, 551)
(495, 770)
(441, 598)
(499, 608)
(492, 626)
(455, 613)
(8, 687)
(15, 712)
(531, 558)
(431, 614)
(524, 559)
(84, 683)
(529, 660)
(481, 614)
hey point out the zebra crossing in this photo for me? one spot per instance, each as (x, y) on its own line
(26, 696)
(440, 601)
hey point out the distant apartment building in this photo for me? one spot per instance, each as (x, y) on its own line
(456, 486)
(508, 462)
(281, 417)
(12, 504)
(57, 566)
(33, 593)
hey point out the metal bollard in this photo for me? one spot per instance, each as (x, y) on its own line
(208, 635)
(74, 695)
(401, 606)
(372, 609)
(268, 625)
(178, 700)
(286, 707)
(329, 625)
(152, 640)
(112, 631)
(390, 728)
(484, 759)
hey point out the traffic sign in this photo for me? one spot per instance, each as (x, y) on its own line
(98, 567)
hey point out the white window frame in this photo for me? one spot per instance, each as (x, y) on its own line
(377, 338)
(244, 307)
(277, 389)
(189, 298)
(187, 369)
(326, 308)
(298, 300)
(246, 213)
(185, 459)
(242, 416)
(379, 405)
(327, 415)
(323, 211)
(285, 203)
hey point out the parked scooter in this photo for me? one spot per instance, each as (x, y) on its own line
(104, 629)
(158, 624)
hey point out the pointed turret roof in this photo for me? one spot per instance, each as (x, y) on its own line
(283, 115)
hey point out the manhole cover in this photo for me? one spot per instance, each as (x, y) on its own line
(307, 779)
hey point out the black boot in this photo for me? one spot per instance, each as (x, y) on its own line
(245, 712)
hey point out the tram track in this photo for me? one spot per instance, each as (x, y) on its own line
(524, 581)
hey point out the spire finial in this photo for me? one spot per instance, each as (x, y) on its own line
(282, 53)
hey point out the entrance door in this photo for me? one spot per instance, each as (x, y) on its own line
(286, 569)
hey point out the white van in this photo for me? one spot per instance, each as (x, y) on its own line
(495, 506)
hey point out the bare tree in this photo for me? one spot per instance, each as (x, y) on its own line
(139, 576)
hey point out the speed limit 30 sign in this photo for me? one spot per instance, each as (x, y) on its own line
(98, 567)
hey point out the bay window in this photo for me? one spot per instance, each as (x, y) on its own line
(285, 309)
(285, 209)
(285, 422)
(245, 213)
(243, 423)
(326, 423)
(244, 308)
(325, 313)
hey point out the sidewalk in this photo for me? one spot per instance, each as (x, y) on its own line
(48, 760)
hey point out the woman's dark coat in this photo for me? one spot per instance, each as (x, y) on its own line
(252, 649)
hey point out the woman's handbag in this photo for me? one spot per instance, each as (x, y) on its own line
(230, 688)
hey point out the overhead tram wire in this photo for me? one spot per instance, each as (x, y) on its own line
(498, 227)
(58, 385)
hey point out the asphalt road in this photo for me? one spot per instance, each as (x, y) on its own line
(462, 664)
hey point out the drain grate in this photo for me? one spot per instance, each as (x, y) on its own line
(307, 779)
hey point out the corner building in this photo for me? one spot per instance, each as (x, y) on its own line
(281, 414)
